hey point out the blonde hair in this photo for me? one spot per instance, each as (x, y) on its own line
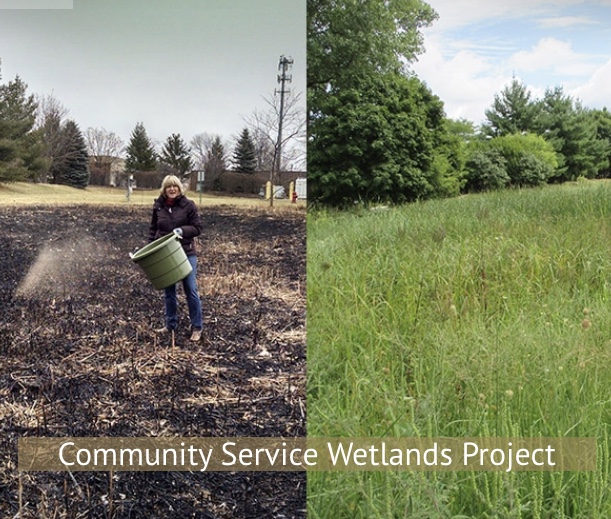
(171, 180)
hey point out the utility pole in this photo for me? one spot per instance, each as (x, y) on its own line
(283, 77)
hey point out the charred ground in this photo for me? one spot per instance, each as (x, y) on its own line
(78, 358)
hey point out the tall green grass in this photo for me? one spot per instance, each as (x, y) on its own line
(485, 315)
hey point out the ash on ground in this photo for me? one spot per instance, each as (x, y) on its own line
(78, 358)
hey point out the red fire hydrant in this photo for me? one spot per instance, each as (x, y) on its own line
(294, 199)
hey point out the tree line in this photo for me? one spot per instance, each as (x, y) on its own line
(377, 133)
(39, 142)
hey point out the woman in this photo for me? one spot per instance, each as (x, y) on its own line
(174, 212)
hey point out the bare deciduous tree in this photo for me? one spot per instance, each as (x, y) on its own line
(49, 107)
(103, 146)
(265, 126)
(51, 117)
(200, 145)
(209, 154)
(106, 150)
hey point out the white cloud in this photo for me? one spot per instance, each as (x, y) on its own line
(565, 21)
(466, 71)
(595, 92)
(466, 82)
(555, 56)
(459, 13)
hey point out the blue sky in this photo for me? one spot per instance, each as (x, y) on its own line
(188, 66)
(476, 47)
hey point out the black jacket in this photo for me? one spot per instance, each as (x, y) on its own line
(182, 214)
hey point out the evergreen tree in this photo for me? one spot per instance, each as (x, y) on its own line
(141, 155)
(245, 153)
(216, 160)
(76, 164)
(71, 164)
(512, 112)
(574, 133)
(176, 155)
(602, 119)
(32, 150)
(18, 110)
(20, 146)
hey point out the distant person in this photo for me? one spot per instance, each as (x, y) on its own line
(174, 212)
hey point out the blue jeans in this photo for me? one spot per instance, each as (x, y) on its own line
(193, 302)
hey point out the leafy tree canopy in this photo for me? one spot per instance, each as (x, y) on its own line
(348, 37)
(369, 138)
(519, 159)
(375, 142)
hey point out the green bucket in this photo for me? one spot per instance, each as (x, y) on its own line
(164, 261)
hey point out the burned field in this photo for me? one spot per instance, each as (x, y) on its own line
(78, 358)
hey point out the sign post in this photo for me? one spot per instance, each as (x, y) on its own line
(130, 187)
(200, 184)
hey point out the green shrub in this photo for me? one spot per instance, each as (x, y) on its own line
(486, 170)
(530, 159)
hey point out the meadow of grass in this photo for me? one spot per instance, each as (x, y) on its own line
(484, 315)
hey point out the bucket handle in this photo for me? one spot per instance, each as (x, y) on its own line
(176, 235)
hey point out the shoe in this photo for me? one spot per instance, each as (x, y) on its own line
(196, 336)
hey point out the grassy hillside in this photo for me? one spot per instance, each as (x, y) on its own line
(485, 315)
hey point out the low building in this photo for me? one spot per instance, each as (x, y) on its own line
(106, 171)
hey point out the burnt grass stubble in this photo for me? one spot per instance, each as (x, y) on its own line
(78, 358)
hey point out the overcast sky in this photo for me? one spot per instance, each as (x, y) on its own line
(476, 46)
(177, 66)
